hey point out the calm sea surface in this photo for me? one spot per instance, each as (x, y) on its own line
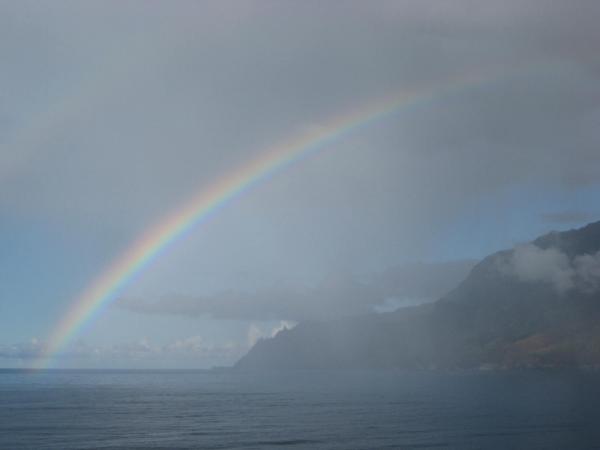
(313, 409)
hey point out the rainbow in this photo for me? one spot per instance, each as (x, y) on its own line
(140, 254)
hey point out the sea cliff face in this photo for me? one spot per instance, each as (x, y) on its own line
(536, 305)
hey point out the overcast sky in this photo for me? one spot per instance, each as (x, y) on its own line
(113, 114)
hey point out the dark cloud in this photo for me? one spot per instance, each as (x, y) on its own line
(567, 217)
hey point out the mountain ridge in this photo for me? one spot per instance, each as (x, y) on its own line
(520, 307)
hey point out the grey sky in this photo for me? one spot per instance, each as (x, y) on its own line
(113, 114)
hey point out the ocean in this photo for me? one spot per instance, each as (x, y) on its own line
(175, 410)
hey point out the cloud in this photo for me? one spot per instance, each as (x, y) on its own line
(587, 272)
(336, 296)
(138, 350)
(23, 351)
(530, 263)
(567, 217)
(256, 332)
(391, 304)
(167, 115)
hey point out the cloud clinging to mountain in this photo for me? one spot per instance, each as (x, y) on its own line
(530, 263)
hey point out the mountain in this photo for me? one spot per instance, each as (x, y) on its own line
(536, 305)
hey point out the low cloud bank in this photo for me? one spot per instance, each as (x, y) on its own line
(192, 348)
(336, 296)
(530, 263)
(31, 349)
(133, 350)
